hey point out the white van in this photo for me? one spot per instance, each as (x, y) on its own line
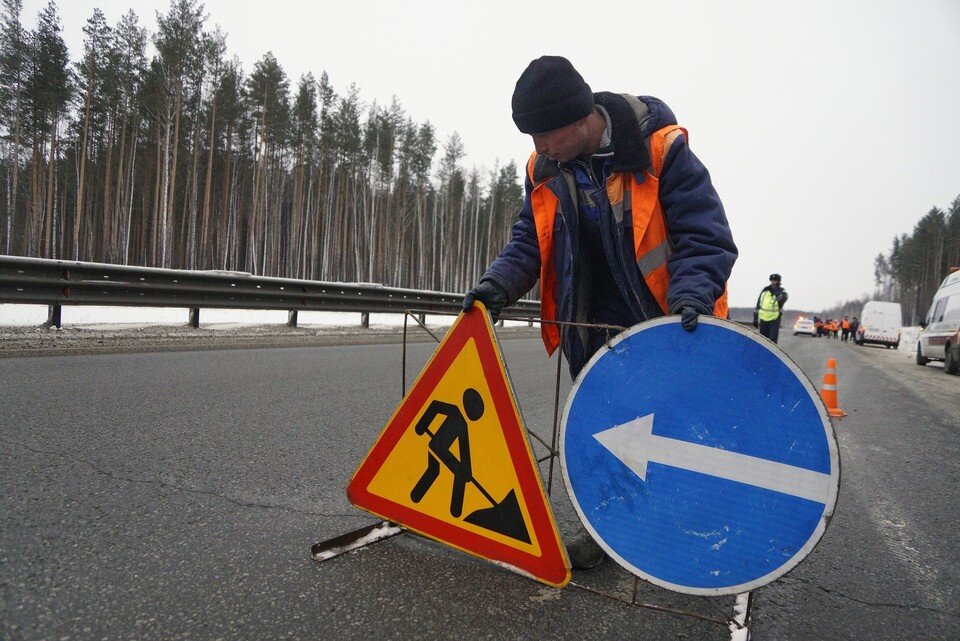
(940, 338)
(880, 323)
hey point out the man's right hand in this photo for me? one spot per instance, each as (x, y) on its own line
(490, 294)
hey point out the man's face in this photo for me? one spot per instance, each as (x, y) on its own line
(563, 144)
(774, 283)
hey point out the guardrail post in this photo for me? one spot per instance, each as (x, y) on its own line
(292, 318)
(195, 317)
(365, 320)
(54, 316)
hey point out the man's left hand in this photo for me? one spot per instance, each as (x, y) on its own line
(688, 318)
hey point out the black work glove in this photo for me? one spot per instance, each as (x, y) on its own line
(490, 294)
(688, 318)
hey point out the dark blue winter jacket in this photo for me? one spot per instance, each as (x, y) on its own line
(703, 251)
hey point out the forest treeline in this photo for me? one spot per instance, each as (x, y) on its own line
(913, 269)
(175, 156)
(918, 262)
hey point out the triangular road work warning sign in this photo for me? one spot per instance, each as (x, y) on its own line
(453, 463)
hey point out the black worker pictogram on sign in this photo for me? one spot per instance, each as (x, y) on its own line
(504, 516)
(453, 462)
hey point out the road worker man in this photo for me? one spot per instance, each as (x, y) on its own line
(620, 220)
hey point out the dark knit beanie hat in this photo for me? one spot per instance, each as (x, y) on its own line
(550, 94)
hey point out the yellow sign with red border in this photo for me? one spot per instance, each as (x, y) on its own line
(453, 462)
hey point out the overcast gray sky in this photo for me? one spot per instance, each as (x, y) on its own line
(828, 127)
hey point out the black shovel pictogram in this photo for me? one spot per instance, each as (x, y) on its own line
(503, 517)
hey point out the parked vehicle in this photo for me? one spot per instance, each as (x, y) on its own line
(880, 324)
(940, 338)
(804, 326)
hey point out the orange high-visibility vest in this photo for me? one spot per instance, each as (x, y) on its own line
(651, 239)
(845, 324)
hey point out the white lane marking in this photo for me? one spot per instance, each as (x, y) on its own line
(740, 626)
(635, 445)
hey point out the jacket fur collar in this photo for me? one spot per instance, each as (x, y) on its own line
(630, 133)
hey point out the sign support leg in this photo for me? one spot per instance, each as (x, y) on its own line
(554, 442)
(354, 540)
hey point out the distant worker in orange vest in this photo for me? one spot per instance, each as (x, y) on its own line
(620, 221)
(845, 329)
(831, 328)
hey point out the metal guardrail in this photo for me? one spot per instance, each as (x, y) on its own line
(56, 283)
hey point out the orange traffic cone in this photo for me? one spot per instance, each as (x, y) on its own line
(828, 391)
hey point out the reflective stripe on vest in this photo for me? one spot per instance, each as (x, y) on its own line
(545, 204)
(769, 307)
(651, 240)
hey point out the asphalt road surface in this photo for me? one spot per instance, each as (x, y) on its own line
(176, 495)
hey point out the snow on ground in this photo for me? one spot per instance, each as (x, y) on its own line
(908, 339)
(94, 317)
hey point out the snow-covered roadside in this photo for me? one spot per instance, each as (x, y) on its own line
(74, 315)
(93, 317)
(128, 329)
(908, 339)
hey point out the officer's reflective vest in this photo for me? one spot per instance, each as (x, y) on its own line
(651, 240)
(769, 307)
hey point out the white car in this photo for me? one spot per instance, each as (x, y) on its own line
(940, 338)
(804, 326)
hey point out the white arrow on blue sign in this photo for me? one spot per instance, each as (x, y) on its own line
(702, 461)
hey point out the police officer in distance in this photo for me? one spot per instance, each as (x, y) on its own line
(769, 308)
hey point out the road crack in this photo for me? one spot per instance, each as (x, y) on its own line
(874, 604)
(239, 502)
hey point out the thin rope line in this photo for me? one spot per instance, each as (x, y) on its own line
(526, 319)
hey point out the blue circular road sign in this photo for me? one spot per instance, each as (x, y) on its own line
(704, 461)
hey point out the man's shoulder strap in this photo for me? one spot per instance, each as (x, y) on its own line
(658, 142)
(640, 109)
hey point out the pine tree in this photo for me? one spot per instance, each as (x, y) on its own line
(179, 49)
(129, 54)
(14, 67)
(228, 97)
(450, 213)
(49, 93)
(267, 98)
(306, 125)
(94, 88)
